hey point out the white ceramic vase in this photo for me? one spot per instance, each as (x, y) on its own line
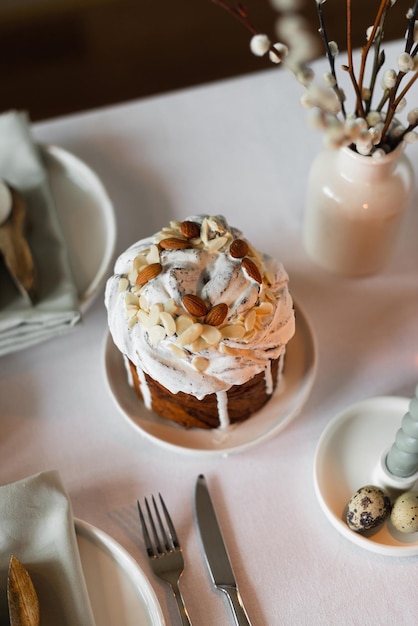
(354, 208)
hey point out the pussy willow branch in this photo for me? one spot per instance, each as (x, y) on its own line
(330, 56)
(239, 13)
(350, 67)
(410, 31)
(378, 23)
(378, 61)
(394, 100)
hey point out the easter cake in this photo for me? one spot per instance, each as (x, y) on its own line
(202, 320)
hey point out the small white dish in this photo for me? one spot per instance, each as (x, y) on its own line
(348, 456)
(299, 374)
(86, 217)
(118, 589)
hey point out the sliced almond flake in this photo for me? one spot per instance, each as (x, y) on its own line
(139, 261)
(255, 254)
(189, 335)
(211, 334)
(269, 276)
(132, 276)
(168, 323)
(153, 255)
(214, 225)
(235, 331)
(175, 224)
(130, 313)
(268, 295)
(250, 319)
(199, 345)
(170, 306)
(136, 289)
(143, 319)
(259, 324)
(167, 231)
(265, 308)
(200, 363)
(228, 350)
(131, 300)
(249, 335)
(123, 284)
(177, 351)
(156, 334)
(143, 303)
(217, 243)
(154, 313)
(204, 231)
(182, 323)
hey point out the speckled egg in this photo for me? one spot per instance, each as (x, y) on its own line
(367, 508)
(404, 514)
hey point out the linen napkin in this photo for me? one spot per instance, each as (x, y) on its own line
(37, 526)
(56, 311)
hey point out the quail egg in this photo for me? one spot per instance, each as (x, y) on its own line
(404, 516)
(367, 508)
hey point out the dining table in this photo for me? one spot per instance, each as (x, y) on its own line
(242, 148)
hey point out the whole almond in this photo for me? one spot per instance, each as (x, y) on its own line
(148, 273)
(217, 314)
(238, 249)
(252, 270)
(194, 305)
(174, 243)
(189, 229)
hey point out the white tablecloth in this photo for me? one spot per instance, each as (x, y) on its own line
(241, 148)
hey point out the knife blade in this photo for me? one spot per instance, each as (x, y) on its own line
(216, 554)
(21, 596)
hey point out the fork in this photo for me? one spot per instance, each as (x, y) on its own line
(166, 556)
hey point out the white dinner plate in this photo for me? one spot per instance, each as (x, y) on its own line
(298, 377)
(118, 589)
(86, 217)
(349, 456)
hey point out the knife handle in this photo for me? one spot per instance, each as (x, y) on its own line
(240, 615)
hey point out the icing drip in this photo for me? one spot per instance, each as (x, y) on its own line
(269, 379)
(280, 380)
(146, 394)
(128, 371)
(281, 364)
(222, 400)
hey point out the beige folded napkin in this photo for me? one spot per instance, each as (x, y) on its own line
(57, 309)
(37, 526)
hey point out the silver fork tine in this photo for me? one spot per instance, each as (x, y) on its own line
(147, 538)
(160, 523)
(166, 557)
(154, 530)
(170, 525)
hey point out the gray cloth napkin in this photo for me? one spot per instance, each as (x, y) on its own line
(57, 309)
(37, 526)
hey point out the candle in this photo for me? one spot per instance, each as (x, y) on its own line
(5, 202)
(402, 458)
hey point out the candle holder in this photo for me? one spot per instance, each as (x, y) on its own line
(351, 453)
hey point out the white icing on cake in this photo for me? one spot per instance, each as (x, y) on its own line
(150, 324)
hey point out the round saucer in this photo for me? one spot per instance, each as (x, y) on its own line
(86, 217)
(348, 456)
(298, 377)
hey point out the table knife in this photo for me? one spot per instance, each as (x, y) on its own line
(21, 596)
(216, 553)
